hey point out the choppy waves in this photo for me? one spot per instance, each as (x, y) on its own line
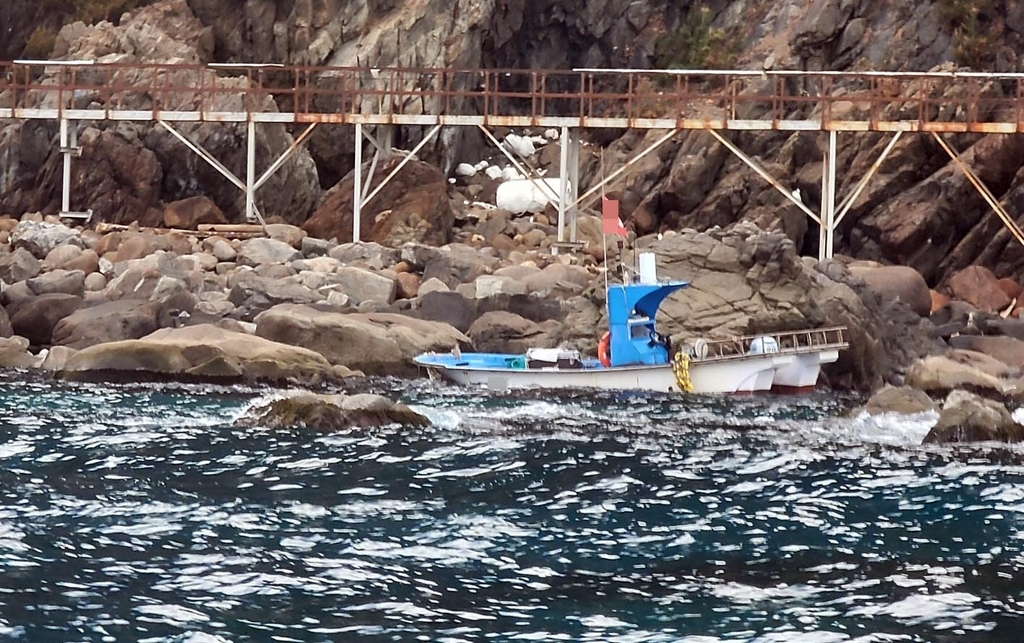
(142, 514)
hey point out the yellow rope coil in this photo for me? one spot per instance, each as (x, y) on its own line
(681, 369)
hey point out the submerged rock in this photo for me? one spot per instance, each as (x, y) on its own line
(966, 417)
(331, 413)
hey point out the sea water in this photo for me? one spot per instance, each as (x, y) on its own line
(141, 513)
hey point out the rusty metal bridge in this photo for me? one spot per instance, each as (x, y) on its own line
(372, 100)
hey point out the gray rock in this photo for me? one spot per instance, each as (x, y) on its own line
(6, 330)
(70, 282)
(40, 237)
(257, 294)
(14, 353)
(375, 343)
(367, 254)
(492, 286)
(966, 417)
(108, 322)
(36, 318)
(939, 375)
(505, 332)
(899, 399)
(261, 251)
(363, 285)
(331, 413)
(18, 266)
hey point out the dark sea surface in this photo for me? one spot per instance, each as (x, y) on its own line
(139, 513)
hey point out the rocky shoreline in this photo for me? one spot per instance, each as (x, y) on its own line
(291, 309)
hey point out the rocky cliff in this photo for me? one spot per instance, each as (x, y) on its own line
(919, 210)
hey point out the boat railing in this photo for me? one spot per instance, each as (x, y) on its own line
(785, 342)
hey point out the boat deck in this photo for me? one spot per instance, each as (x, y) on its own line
(792, 342)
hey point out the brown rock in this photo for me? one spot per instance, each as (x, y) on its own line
(978, 286)
(897, 282)
(187, 214)
(408, 285)
(135, 246)
(414, 206)
(1010, 287)
(108, 243)
(938, 300)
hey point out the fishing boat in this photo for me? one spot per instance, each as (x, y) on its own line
(632, 355)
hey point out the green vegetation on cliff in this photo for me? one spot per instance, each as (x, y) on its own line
(696, 44)
(976, 30)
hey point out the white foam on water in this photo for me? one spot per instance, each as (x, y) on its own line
(171, 614)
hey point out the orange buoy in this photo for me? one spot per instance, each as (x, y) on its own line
(603, 352)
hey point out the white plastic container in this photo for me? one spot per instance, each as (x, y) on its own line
(648, 268)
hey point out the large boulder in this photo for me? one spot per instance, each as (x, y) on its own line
(41, 237)
(1008, 350)
(966, 417)
(109, 322)
(375, 343)
(254, 294)
(897, 282)
(505, 332)
(202, 352)
(445, 306)
(978, 286)
(413, 206)
(899, 399)
(36, 318)
(187, 214)
(330, 413)
(939, 375)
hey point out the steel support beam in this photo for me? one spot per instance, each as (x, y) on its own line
(848, 202)
(250, 172)
(982, 189)
(65, 149)
(826, 237)
(276, 165)
(574, 181)
(206, 156)
(563, 187)
(357, 184)
(398, 168)
(752, 164)
(614, 175)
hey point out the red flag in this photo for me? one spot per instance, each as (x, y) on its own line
(612, 224)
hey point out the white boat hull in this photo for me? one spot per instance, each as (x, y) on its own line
(741, 375)
(802, 373)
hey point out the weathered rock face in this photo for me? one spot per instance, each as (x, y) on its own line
(746, 281)
(413, 206)
(127, 169)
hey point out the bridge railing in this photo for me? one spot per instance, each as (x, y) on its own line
(856, 100)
